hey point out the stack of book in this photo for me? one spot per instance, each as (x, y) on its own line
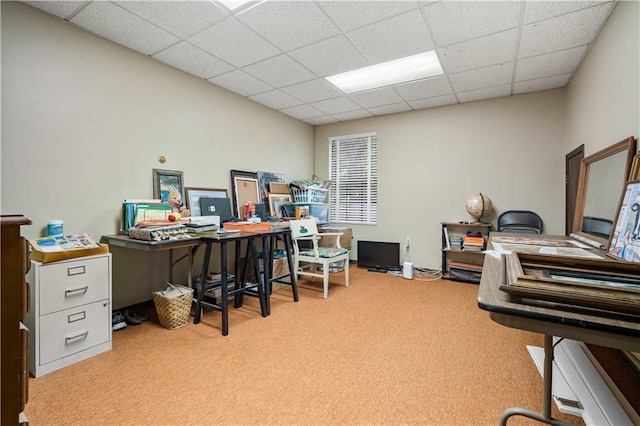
(456, 243)
(473, 243)
(463, 271)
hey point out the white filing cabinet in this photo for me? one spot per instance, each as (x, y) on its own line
(70, 316)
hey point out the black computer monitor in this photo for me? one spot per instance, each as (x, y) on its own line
(216, 207)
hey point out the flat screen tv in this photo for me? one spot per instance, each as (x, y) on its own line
(377, 255)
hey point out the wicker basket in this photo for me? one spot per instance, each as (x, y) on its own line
(173, 308)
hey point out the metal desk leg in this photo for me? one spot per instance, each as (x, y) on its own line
(203, 284)
(292, 272)
(267, 259)
(224, 289)
(259, 277)
(545, 416)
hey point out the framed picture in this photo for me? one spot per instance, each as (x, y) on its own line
(634, 173)
(276, 201)
(165, 181)
(193, 195)
(625, 241)
(264, 180)
(245, 190)
(278, 188)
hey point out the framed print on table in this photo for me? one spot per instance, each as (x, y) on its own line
(165, 181)
(625, 241)
(276, 201)
(245, 190)
(193, 195)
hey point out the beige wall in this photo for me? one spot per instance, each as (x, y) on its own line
(431, 161)
(603, 98)
(85, 120)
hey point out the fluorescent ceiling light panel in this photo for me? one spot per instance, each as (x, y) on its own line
(234, 4)
(410, 68)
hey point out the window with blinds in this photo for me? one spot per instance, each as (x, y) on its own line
(353, 171)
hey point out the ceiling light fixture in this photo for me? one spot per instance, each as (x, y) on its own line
(236, 4)
(409, 68)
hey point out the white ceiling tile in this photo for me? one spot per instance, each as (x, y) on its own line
(566, 31)
(550, 64)
(456, 21)
(540, 10)
(393, 38)
(114, 23)
(433, 102)
(289, 24)
(336, 105)
(329, 57)
(542, 84)
(275, 99)
(240, 82)
(192, 60)
(494, 75)
(321, 120)
(428, 88)
(312, 91)
(378, 97)
(280, 71)
(353, 115)
(488, 93)
(231, 41)
(61, 9)
(349, 15)
(182, 18)
(302, 112)
(480, 52)
(390, 109)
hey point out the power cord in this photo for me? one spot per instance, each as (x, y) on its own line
(420, 274)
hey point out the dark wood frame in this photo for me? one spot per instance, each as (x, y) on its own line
(627, 145)
(238, 202)
(157, 182)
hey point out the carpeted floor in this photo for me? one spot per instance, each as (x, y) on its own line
(385, 351)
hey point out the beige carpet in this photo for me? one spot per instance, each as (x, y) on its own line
(385, 351)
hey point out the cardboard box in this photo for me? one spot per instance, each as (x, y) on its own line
(54, 249)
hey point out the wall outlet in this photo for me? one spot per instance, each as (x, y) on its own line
(407, 243)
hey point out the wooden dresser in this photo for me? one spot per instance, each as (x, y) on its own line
(14, 304)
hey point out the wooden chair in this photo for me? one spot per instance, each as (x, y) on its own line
(307, 260)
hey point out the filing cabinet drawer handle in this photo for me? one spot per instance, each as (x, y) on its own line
(76, 291)
(77, 270)
(74, 338)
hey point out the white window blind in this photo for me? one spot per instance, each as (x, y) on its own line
(353, 171)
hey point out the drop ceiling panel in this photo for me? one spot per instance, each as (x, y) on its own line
(349, 15)
(276, 99)
(433, 102)
(480, 52)
(61, 9)
(329, 57)
(190, 59)
(114, 23)
(374, 98)
(390, 109)
(289, 24)
(403, 35)
(542, 84)
(279, 71)
(541, 10)
(321, 120)
(182, 18)
(313, 91)
(353, 115)
(234, 43)
(242, 83)
(551, 64)
(563, 32)
(488, 93)
(336, 105)
(302, 112)
(494, 75)
(428, 88)
(456, 21)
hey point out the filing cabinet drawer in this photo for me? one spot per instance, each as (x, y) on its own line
(73, 330)
(72, 283)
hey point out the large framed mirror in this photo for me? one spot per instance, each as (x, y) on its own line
(600, 185)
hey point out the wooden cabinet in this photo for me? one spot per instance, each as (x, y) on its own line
(14, 301)
(467, 263)
(70, 317)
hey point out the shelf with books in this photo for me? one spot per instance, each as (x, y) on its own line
(462, 249)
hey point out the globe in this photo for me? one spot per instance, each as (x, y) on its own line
(479, 205)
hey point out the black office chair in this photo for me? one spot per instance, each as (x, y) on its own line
(520, 221)
(597, 226)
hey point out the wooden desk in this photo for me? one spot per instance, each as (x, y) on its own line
(550, 322)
